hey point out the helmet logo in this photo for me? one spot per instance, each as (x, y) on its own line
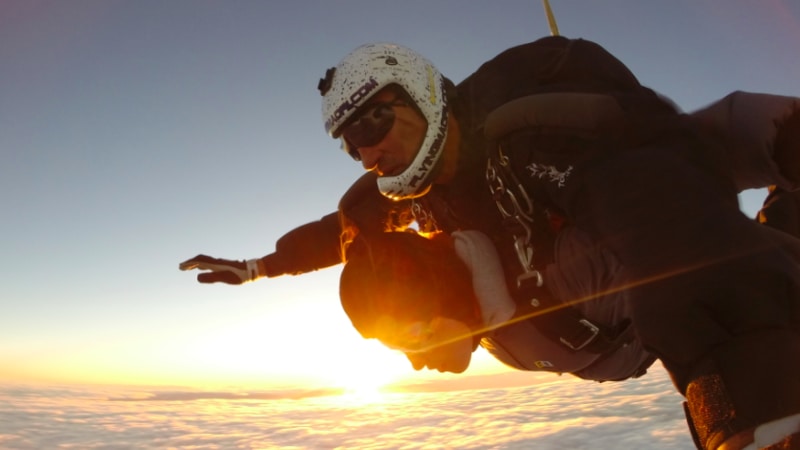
(431, 156)
(359, 94)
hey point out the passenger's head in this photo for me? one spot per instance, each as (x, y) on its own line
(388, 104)
(414, 295)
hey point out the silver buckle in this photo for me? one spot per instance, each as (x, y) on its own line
(593, 329)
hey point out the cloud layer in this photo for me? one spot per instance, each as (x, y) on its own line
(566, 413)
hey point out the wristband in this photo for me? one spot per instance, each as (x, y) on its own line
(253, 269)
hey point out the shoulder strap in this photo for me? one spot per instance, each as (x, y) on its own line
(578, 112)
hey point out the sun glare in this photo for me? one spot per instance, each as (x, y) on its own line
(364, 374)
(343, 360)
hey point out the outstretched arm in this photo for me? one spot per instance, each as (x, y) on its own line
(306, 248)
(315, 245)
(762, 135)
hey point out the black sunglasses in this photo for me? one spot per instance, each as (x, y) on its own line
(370, 127)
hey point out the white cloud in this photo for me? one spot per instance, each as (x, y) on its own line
(566, 413)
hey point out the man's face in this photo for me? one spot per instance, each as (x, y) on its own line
(442, 344)
(395, 152)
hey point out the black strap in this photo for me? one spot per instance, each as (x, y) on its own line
(563, 323)
(559, 321)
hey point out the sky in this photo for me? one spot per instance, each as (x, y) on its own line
(136, 134)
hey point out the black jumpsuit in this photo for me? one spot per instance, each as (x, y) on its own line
(712, 293)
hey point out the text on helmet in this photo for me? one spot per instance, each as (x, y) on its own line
(430, 157)
(351, 102)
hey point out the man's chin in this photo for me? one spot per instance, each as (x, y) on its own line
(451, 369)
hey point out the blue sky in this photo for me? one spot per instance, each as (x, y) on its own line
(135, 134)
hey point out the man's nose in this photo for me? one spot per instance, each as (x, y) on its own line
(369, 157)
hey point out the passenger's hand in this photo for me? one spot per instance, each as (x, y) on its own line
(223, 270)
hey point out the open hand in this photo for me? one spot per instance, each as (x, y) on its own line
(222, 270)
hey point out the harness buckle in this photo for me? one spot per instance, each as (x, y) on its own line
(590, 328)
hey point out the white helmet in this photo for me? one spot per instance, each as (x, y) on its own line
(363, 73)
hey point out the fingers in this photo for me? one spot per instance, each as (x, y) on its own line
(193, 263)
(227, 277)
(220, 270)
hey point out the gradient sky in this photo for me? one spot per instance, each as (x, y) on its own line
(135, 134)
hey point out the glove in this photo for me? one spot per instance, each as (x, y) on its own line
(224, 270)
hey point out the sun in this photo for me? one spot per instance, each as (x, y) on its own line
(366, 372)
(319, 351)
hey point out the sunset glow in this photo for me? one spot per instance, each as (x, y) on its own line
(139, 134)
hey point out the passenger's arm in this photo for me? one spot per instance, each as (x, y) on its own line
(309, 247)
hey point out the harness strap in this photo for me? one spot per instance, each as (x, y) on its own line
(580, 113)
(563, 323)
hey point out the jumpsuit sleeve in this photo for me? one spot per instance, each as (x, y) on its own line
(781, 208)
(320, 244)
(761, 133)
(309, 247)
